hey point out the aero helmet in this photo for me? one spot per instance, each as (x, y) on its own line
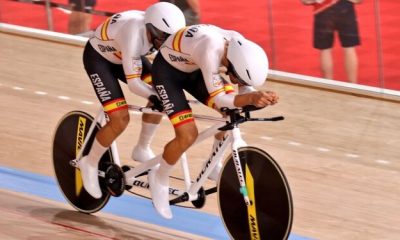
(247, 61)
(163, 19)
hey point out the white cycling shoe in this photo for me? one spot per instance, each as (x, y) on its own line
(215, 172)
(90, 177)
(159, 188)
(142, 154)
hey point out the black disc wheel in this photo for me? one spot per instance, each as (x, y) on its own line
(68, 140)
(270, 214)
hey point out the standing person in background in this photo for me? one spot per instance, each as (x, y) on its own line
(79, 21)
(190, 8)
(340, 16)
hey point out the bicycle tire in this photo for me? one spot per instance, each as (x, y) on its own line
(273, 214)
(70, 133)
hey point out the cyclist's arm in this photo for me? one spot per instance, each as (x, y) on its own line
(256, 98)
(131, 48)
(209, 61)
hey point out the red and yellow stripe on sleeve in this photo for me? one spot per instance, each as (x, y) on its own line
(228, 88)
(176, 42)
(118, 55)
(147, 78)
(104, 28)
(132, 76)
(210, 100)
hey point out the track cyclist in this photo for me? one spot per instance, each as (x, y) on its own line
(116, 52)
(190, 60)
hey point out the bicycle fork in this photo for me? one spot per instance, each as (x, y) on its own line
(236, 144)
(246, 184)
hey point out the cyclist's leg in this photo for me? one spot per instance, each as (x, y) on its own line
(169, 85)
(199, 90)
(105, 83)
(150, 122)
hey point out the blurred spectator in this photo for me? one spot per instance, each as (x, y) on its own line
(331, 16)
(190, 8)
(79, 21)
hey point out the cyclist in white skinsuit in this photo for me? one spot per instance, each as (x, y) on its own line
(114, 53)
(190, 60)
(125, 33)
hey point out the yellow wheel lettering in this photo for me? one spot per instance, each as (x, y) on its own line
(80, 137)
(251, 209)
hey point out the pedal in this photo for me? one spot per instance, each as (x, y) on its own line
(114, 180)
(201, 201)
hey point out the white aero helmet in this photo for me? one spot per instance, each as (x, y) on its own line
(247, 61)
(163, 19)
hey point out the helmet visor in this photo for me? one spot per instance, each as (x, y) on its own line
(231, 70)
(156, 33)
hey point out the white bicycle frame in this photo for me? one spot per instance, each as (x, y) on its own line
(232, 137)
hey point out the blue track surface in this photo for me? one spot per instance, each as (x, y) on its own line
(186, 220)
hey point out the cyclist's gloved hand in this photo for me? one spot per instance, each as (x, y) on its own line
(157, 105)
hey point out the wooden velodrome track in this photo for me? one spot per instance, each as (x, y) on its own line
(340, 152)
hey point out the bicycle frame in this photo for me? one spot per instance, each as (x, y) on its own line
(232, 138)
(250, 175)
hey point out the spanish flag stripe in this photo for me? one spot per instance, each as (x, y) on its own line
(183, 122)
(114, 101)
(176, 43)
(213, 94)
(119, 103)
(147, 78)
(104, 28)
(228, 88)
(210, 102)
(183, 116)
(117, 109)
(179, 113)
(118, 55)
(132, 76)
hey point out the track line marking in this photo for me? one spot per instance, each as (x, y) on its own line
(350, 155)
(64, 97)
(294, 143)
(87, 102)
(40, 93)
(321, 149)
(267, 138)
(17, 88)
(384, 162)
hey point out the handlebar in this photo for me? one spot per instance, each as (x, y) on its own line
(235, 116)
(241, 115)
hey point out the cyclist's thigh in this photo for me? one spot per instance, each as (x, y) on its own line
(104, 78)
(168, 83)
